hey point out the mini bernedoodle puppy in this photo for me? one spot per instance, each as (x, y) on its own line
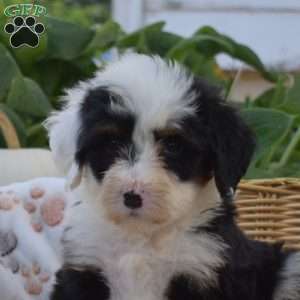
(153, 157)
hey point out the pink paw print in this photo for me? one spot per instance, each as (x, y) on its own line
(8, 201)
(44, 209)
(52, 211)
(37, 193)
(34, 279)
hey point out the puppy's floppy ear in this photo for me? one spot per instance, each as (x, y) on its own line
(231, 141)
(233, 144)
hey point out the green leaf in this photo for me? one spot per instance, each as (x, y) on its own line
(8, 70)
(139, 40)
(289, 170)
(37, 136)
(27, 97)
(202, 66)
(16, 121)
(237, 50)
(292, 102)
(270, 127)
(160, 43)
(203, 43)
(246, 55)
(273, 97)
(265, 99)
(54, 75)
(66, 40)
(105, 36)
(254, 172)
(51, 75)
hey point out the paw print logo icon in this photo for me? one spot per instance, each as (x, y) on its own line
(24, 32)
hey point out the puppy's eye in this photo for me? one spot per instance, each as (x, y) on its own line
(172, 145)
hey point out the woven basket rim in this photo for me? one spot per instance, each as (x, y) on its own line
(276, 179)
(269, 210)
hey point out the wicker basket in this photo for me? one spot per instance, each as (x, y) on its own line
(9, 132)
(269, 210)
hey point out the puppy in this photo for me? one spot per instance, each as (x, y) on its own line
(153, 157)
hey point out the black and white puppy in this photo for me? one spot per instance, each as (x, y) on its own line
(153, 157)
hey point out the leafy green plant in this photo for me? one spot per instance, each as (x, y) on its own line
(198, 52)
(275, 118)
(86, 15)
(33, 80)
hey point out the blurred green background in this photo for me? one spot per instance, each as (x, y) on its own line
(80, 37)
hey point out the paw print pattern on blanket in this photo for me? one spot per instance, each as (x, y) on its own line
(31, 226)
(8, 200)
(34, 278)
(44, 210)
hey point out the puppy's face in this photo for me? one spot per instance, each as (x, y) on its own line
(147, 143)
(144, 173)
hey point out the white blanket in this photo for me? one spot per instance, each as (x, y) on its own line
(31, 227)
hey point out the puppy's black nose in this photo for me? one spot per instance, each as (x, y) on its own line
(132, 200)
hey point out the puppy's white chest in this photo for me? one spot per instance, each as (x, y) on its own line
(136, 277)
(139, 268)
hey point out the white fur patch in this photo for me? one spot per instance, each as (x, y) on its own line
(152, 89)
(63, 130)
(289, 287)
(10, 287)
